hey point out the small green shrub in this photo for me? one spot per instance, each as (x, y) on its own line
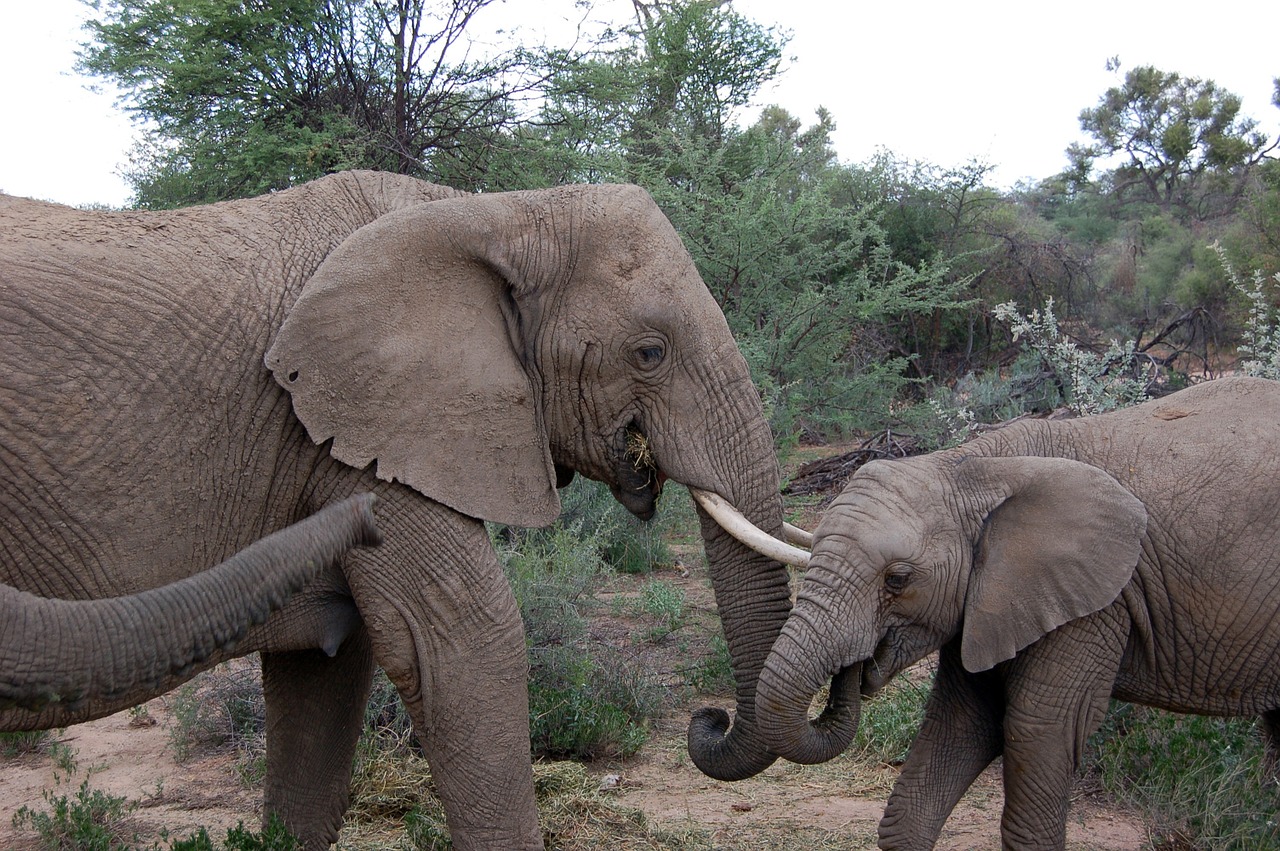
(891, 719)
(274, 837)
(585, 700)
(1203, 781)
(22, 742)
(713, 674)
(1090, 383)
(91, 820)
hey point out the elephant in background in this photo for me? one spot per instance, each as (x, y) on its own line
(90, 658)
(177, 383)
(1054, 565)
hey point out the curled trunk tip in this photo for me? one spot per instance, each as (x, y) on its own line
(723, 753)
(782, 707)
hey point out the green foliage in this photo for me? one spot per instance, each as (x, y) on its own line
(1090, 383)
(891, 720)
(1181, 141)
(90, 820)
(1260, 348)
(1204, 781)
(585, 699)
(275, 837)
(22, 742)
(713, 674)
(242, 98)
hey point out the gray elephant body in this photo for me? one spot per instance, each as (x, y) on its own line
(61, 659)
(1055, 564)
(450, 354)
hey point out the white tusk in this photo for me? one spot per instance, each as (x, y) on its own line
(733, 522)
(796, 535)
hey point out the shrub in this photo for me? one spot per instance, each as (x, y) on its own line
(1090, 383)
(1203, 781)
(223, 708)
(22, 742)
(586, 701)
(91, 820)
(1260, 348)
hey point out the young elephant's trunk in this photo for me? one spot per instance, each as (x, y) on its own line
(798, 667)
(71, 660)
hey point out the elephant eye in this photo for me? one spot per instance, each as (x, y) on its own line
(897, 580)
(650, 356)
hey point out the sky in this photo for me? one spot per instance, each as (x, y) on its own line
(939, 82)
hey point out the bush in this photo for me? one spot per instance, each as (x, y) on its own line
(22, 742)
(91, 820)
(1260, 348)
(1090, 383)
(1203, 781)
(585, 700)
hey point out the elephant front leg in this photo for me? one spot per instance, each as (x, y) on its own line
(1057, 693)
(315, 712)
(446, 629)
(960, 736)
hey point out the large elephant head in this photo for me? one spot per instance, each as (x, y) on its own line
(997, 551)
(482, 349)
(71, 660)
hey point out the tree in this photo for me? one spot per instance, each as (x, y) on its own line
(247, 96)
(1182, 142)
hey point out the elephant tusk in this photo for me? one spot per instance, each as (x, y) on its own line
(733, 522)
(797, 536)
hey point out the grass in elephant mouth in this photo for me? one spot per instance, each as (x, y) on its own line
(639, 453)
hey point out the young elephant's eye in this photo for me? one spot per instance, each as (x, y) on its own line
(650, 356)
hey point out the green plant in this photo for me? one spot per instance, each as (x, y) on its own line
(666, 603)
(274, 837)
(713, 674)
(21, 742)
(1091, 383)
(64, 758)
(891, 719)
(91, 820)
(1260, 348)
(1203, 781)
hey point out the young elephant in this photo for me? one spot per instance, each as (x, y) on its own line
(1055, 564)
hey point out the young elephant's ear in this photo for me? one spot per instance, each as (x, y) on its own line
(1060, 541)
(405, 348)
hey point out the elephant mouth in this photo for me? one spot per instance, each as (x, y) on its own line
(637, 478)
(873, 678)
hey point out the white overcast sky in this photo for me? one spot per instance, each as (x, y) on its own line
(942, 82)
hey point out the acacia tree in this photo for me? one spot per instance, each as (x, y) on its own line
(243, 97)
(1182, 142)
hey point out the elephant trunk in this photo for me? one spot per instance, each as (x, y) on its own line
(64, 660)
(793, 675)
(753, 596)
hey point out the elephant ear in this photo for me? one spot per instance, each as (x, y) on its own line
(1060, 541)
(405, 349)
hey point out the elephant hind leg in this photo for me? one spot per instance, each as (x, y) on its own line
(1271, 727)
(315, 712)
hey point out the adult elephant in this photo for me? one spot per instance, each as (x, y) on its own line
(458, 355)
(61, 659)
(1055, 564)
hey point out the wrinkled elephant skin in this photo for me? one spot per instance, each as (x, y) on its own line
(1054, 565)
(81, 659)
(178, 384)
